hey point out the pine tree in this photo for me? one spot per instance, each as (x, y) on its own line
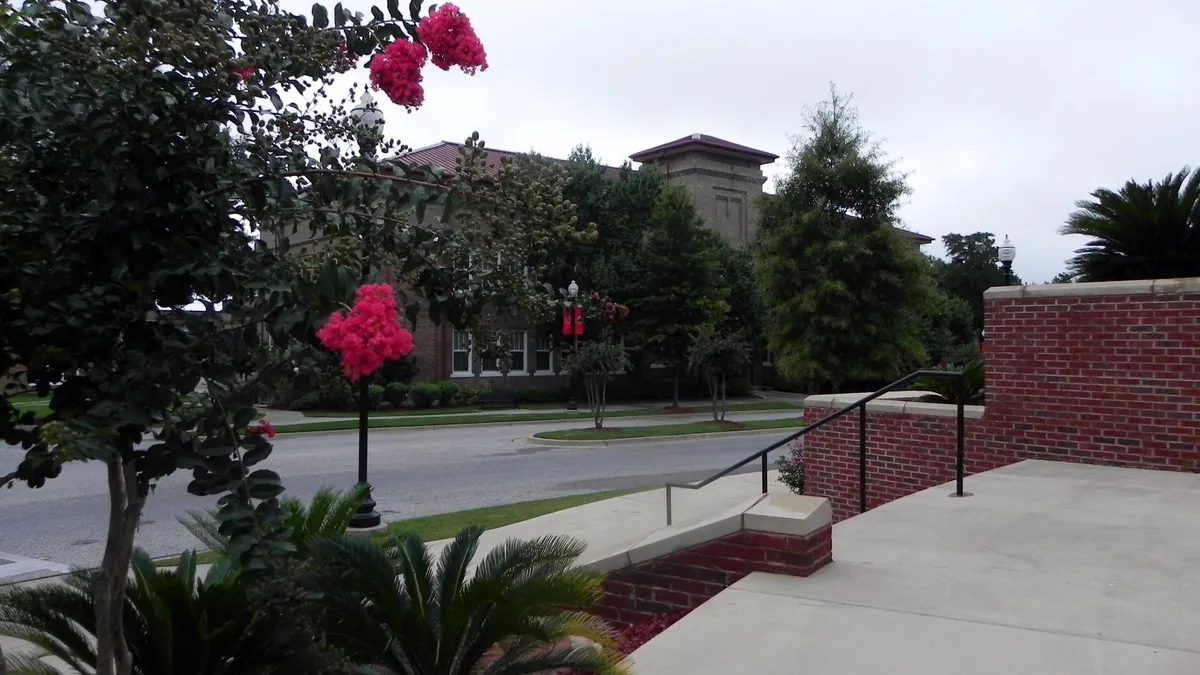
(679, 285)
(841, 285)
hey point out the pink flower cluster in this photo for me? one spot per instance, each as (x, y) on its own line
(447, 35)
(369, 334)
(262, 428)
(451, 40)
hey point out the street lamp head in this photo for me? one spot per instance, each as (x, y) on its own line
(573, 289)
(1007, 251)
(366, 113)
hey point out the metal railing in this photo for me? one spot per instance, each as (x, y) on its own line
(861, 404)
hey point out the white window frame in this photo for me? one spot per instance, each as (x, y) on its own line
(470, 350)
(525, 348)
(552, 361)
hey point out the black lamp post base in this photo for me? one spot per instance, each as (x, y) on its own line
(366, 516)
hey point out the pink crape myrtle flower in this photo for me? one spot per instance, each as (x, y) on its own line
(369, 334)
(262, 428)
(396, 71)
(451, 40)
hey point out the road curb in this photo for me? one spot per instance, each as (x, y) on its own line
(533, 440)
(509, 423)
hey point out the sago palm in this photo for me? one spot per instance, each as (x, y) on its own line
(394, 611)
(174, 623)
(328, 513)
(1146, 231)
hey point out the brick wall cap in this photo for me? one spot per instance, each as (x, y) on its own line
(895, 406)
(789, 514)
(1096, 288)
(843, 400)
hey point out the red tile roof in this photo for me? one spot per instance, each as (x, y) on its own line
(445, 155)
(711, 143)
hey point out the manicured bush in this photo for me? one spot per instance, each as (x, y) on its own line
(468, 396)
(791, 468)
(424, 395)
(401, 371)
(334, 395)
(543, 394)
(375, 395)
(395, 393)
(448, 393)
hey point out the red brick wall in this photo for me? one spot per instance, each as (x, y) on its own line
(1097, 379)
(1109, 379)
(685, 579)
(905, 454)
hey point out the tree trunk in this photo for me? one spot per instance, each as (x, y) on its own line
(110, 580)
(722, 397)
(712, 395)
(675, 396)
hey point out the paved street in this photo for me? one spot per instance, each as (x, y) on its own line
(415, 472)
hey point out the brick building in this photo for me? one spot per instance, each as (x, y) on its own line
(725, 181)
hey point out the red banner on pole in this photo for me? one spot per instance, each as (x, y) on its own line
(566, 318)
(579, 321)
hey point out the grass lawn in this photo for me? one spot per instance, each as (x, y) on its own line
(446, 525)
(669, 430)
(453, 410)
(486, 418)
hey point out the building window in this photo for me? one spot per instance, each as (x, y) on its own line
(517, 349)
(543, 361)
(461, 353)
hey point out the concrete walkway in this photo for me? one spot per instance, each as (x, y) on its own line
(1050, 568)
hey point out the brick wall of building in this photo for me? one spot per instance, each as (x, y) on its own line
(684, 579)
(1093, 373)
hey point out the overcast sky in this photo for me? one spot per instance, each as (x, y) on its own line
(1004, 113)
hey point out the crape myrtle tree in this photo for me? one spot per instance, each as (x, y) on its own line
(144, 142)
(716, 357)
(841, 285)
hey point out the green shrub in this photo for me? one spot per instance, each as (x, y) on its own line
(395, 393)
(375, 395)
(448, 393)
(543, 394)
(468, 396)
(423, 395)
(400, 370)
(968, 391)
(334, 395)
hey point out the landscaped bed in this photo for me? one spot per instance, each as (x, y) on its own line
(660, 430)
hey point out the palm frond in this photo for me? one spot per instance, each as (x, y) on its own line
(28, 663)
(524, 657)
(206, 527)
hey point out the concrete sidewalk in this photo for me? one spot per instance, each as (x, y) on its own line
(1049, 568)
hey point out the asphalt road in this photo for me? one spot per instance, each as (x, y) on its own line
(415, 472)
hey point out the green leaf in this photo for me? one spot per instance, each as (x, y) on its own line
(243, 416)
(320, 16)
(394, 9)
(275, 100)
(377, 13)
(414, 10)
(339, 15)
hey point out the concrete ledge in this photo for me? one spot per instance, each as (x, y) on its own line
(1096, 288)
(789, 514)
(533, 440)
(901, 404)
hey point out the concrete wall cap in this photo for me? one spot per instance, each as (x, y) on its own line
(608, 563)
(686, 535)
(1096, 288)
(789, 514)
(901, 405)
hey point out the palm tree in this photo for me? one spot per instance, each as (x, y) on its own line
(394, 612)
(174, 623)
(328, 514)
(1146, 231)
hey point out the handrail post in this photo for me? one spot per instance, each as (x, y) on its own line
(668, 506)
(764, 472)
(862, 458)
(959, 460)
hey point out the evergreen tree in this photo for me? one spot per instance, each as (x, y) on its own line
(678, 285)
(841, 285)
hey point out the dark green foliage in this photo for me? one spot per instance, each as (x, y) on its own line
(791, 468)
(402, 371)
(333, 394)
(678, 286)
(395, 393)
(1063, 278)
(449, 393)
(424, 395)
(968, 390)
(841, 285)
(971, 267)
(398, 611)
(1146, 230)
(375, 394)
(946, 326)
(595, 362)
(174, 623)
(747, 312)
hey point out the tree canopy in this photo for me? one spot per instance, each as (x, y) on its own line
(1145, 230)
(841, 284)
(971, 267)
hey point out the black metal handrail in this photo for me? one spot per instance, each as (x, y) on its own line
(862, 441)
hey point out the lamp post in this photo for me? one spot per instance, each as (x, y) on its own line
(370, 122)
(573, 293)
(1007, 253)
